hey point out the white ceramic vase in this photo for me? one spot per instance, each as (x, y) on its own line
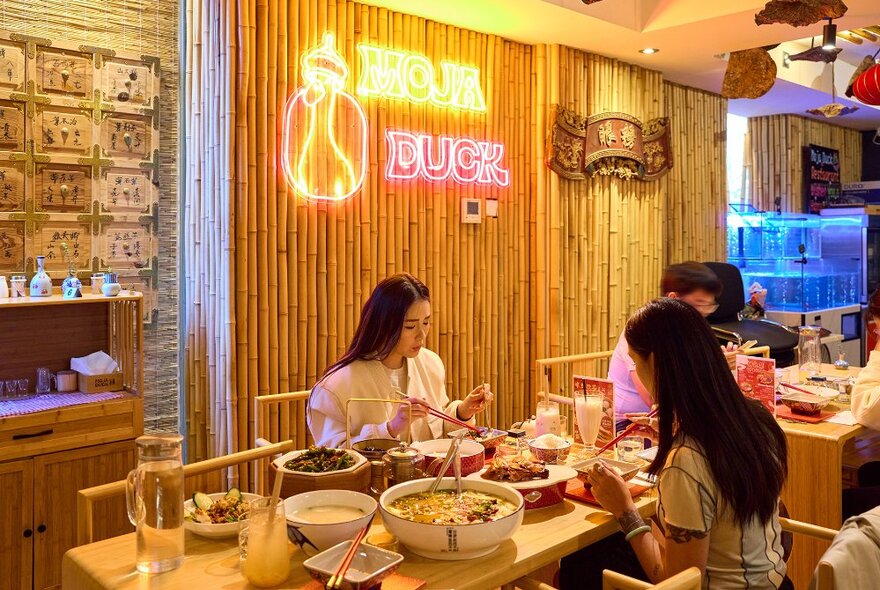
(41, 284)
(110, 288)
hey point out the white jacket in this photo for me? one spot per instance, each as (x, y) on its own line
(866, 393)
(854, 554)
(370, 379)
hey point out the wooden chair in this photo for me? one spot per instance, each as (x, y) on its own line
(288, 404)
(824, 572)
(206, 476)
(689, 579)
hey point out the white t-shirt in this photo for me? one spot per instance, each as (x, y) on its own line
(748, 557)
(626, 396)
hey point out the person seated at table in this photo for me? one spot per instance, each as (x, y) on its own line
(691, 282)
(721, 464)
(865, 405)
(388, 354)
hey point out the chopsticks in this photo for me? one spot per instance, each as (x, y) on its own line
(335, 581)
(799, 390)
(625, 432)
(447, 417)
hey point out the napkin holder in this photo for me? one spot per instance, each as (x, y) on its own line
(100, 383)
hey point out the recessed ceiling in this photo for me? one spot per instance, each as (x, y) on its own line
(692, 35)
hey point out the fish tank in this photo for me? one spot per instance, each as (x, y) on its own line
(806, 262)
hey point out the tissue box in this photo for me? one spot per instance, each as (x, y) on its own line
(100, 383)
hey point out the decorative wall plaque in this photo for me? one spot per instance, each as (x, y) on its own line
(608, 144)
(658, 152)
(78, 161)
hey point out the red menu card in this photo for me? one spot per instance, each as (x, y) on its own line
(605, 388)
(756, 379)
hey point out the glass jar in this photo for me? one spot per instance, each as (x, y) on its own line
(809, 350)
(403, 464)
(155, 502)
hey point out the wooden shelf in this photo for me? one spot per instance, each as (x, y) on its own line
(57, 299)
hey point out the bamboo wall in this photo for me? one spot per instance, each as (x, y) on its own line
(276, 284)
(776, 158)
(696, 187)
(146, 27)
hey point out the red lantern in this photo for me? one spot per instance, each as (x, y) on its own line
(867, 86)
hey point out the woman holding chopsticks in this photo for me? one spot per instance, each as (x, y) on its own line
(720, 465)
(387, 359)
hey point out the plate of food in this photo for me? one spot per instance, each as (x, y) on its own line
(217, 516)
(540, 485)
(317, 461)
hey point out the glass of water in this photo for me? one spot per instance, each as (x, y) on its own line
(629, 447)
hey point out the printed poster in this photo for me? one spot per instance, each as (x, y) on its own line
(756, 379)
(604, 388)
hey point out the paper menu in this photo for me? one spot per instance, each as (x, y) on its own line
(605, 388)
(756, 377)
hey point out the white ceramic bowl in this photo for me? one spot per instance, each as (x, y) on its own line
(473, 455)
(452, 542)
(280, 461)
(324, 536)
(223, 530)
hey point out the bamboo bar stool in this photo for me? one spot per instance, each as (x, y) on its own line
(85, 500)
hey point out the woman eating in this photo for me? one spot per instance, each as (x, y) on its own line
(721, 464)
(387, 360)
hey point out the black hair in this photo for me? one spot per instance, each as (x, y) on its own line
(382, 319)
(687, 277)
(698, 399)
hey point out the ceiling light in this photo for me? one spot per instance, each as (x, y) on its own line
(649, 50)
(829, 36)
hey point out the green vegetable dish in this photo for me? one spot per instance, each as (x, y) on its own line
(320, 460)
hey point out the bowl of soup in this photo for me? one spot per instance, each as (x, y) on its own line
(321, 519)
(444, 526)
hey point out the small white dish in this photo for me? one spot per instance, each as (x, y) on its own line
(223, 530)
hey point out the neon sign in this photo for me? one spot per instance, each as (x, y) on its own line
(409, 76)
(324, 138)
(438, 158)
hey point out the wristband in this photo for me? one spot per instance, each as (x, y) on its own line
(636, 532)
(630, 521)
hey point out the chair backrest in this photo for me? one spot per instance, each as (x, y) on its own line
(824, 574)
(689, 579)
(192, 472)
(279, 416)
(732, 298)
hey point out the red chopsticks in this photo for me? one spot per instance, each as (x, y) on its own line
(799, 390)
(335, 581)
(449, 418)
(626, 431)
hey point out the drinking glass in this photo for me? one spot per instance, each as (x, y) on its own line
(547, 420)
(9, 388)
(809, 349)
(629, 447)
(588, 411)
(262, 544)
(23, 386)
(45, 380)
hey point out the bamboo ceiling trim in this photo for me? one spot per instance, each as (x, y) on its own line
(776, 160)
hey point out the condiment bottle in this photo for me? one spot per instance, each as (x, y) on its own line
(377, 479)
(519, 435)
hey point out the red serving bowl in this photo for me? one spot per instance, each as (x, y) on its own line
(541, 493)
(473, 456)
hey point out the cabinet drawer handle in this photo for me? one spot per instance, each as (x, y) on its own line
(41, 528)
(33, 435)
(28, 533)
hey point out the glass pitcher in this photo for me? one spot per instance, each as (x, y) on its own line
(809, 350)
(155, 502)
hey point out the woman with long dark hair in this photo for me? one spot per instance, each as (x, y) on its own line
(387, 355)
(721, 464)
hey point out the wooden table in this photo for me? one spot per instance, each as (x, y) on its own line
(814, 487)
(546, 536)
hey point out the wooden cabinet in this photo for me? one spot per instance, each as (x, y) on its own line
(47, 456)
(17, 532)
